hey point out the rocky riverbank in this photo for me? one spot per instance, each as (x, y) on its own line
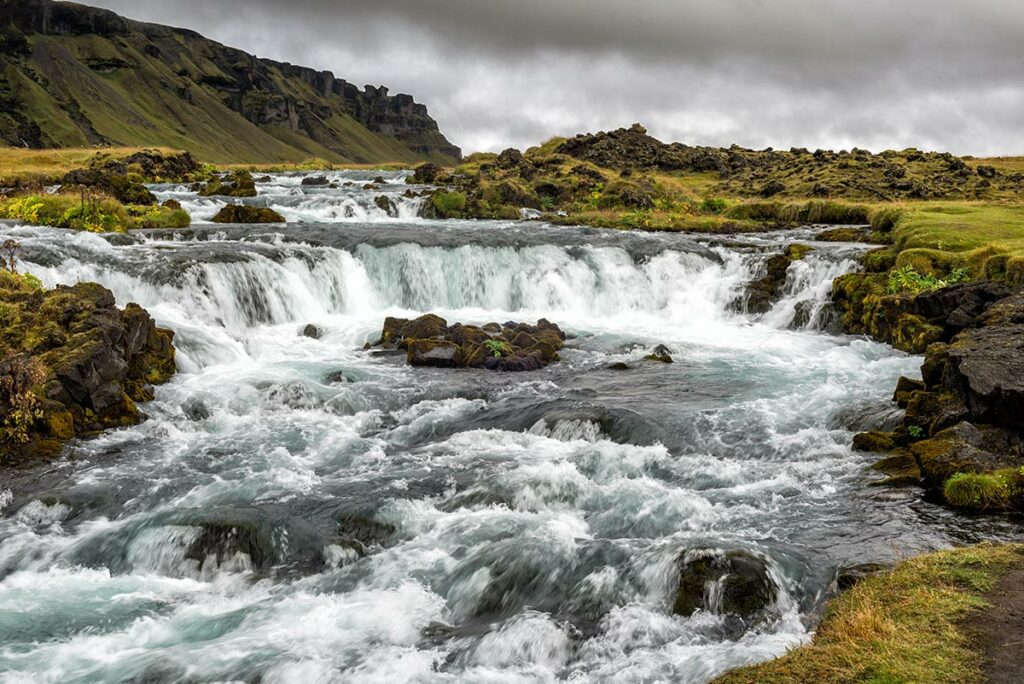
(73, 364)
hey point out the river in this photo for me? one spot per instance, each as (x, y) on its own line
(304, 510)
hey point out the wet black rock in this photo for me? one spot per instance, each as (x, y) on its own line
(311, 331)
(315, 181)
(194, 409)
(735, 582)
(661, 354)
(761, 294)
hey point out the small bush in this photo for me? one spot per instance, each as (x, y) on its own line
(18, 403)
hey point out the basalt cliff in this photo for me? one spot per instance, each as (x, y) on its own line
(72, 75)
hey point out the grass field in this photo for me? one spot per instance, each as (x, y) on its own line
(17, 163)
(900, 626)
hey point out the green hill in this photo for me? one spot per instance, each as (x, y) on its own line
(72, 75)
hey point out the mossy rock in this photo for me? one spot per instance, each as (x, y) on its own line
(963, 448)
(878, 442)
(240, 213)
(434, 353)
(796, 251)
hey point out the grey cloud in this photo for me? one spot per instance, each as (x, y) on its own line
(941, 74)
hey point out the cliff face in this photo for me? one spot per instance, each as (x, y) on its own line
(75, 75)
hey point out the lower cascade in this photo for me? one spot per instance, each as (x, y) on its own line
(664, 495)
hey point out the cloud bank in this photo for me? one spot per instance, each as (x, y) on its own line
(934, 74)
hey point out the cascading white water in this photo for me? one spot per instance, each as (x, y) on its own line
(301, 510)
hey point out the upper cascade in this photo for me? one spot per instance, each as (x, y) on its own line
(238, 108)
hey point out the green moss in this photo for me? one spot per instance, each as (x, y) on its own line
(95, 214)
(449, 204)
(984, 491)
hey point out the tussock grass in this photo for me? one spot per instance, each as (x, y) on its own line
(900, 626)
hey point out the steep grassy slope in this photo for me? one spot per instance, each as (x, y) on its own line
(72, 75)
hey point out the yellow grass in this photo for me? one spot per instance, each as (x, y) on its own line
(900, 626)
(18, 163)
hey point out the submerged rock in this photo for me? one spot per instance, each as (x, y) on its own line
(661, 354)
(724, 583)
(761, 294)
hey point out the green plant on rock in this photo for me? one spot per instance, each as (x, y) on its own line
(497, 348)
(18, 403)
(907, 279)
(915, 432)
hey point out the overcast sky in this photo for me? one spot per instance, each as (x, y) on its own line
(935, 74)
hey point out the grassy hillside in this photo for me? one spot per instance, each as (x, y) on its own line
(77, 76)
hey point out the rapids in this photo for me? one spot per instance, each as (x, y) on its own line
(302, 510)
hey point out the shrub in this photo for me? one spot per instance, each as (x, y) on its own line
(18, 403)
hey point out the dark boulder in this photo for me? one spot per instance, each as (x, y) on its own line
(311, 331)
(425, 327)
(772, 188)
(386, 204)
(94, 362)
(425, 174)
(430, 341)
(724, 583)
(237, 184)
(315, 181)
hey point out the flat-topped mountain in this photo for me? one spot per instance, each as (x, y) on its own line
(73, 75)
